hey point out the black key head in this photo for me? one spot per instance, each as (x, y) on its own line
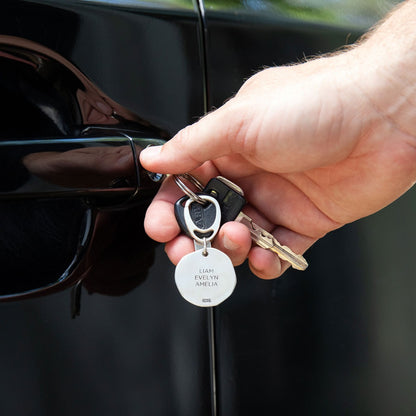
(203, 216)
(228, 195)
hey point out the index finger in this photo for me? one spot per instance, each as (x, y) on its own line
(197, 143)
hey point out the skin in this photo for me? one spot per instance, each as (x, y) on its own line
(314, 146)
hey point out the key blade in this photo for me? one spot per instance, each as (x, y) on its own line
(266, 240)
(296, 260)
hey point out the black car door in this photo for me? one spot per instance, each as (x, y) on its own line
(85, 85)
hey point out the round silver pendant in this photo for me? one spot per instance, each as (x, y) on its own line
(205, 280)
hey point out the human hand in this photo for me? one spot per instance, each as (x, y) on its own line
(314, 146)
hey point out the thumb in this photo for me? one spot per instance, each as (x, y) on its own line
(205, 140)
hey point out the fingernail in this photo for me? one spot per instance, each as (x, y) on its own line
(229, 244)
(150, 153)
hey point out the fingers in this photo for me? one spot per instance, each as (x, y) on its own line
(233, 239)
(265, 264)
(205, 140)
(160, 223)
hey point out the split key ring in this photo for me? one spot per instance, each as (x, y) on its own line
(191, 194)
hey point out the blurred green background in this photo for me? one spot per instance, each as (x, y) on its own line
(351, 13)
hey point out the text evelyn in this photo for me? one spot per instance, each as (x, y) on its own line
(206, 277)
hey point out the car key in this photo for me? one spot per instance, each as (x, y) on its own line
(202, 214)
(231, 199)
(228, 194)
(231, 202)
(205, 277)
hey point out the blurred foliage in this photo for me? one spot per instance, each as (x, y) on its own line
(352, 13)
(358, 13)
(168, 4)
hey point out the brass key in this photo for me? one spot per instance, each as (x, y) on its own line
(266, 240)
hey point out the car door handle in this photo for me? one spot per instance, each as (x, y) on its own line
(97, 167)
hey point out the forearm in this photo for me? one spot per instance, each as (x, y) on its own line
(397, 28)
(386, 72)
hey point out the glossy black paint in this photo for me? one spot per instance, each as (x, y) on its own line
(148, 351)
(240, 45)
(43, 162)
(55, 97)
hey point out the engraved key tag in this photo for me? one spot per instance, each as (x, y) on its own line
(205, 277)
(205, 280)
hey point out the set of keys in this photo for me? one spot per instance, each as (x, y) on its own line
(206, 277)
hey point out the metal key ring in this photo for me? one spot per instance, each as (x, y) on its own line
(192, 195)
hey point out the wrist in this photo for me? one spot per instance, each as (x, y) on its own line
(385, 69)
